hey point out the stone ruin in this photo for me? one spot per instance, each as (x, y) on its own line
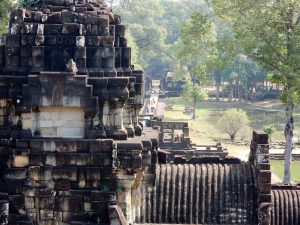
(74, 152)
(69, 116)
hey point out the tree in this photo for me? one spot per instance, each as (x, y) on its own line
(141, 20)
(5, 6)
(270, 130)
(194, 92)
(268, 32)
(233, 121)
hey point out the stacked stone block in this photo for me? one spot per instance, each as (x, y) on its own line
(88, 33)
(259, 156)
(45, 37)
(59, 180)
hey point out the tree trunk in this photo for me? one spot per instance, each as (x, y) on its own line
(223, 92)
(239, 93)
(246, 93)
(232, 137)
(194, 111)
(230, 92)
(288, 133)
(217, 91)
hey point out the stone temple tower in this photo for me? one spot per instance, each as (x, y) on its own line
(69, 116)
(101, 92)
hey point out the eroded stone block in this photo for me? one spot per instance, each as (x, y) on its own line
(88, 173)
(65, 173)
(15, 173)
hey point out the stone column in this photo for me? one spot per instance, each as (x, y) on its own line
(118, 59)
(138, 100)
(124, 198)
(89, 126)
(128, 110)
(117, 96)
(260, 158)
(126, 61)
(108, 62)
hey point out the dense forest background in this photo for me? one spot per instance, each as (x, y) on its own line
(187, 38)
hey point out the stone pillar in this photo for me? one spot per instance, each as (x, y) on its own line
(117, 95)
(127, 117)
(89, 126)
(4, 212)
(108, 62)
(126, 61)
(259, 156)
(118, 54)
(138, 100)
(124, 198)
(128, 110)
(186, 132)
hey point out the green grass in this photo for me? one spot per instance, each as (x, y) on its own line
(277, 167)
(259, 114)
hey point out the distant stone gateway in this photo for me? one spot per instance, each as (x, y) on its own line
(72, 147)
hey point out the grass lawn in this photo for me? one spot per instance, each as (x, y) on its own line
(277, 168)
(259, 114)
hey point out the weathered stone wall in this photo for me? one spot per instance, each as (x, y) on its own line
(58, 180)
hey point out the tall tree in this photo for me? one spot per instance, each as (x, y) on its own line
(268, 31)
(194, 92)
(141, 19)
(197, 49)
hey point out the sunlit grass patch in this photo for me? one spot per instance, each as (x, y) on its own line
(277, 167)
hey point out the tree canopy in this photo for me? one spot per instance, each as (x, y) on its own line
(268, 32)
(193, 92)
(233, 121)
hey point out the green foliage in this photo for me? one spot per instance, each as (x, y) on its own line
(5, 7)
(141, 20)
(98, 220)
(197, 48)
(119, 188)
(268, 32)
(104, 189)
(24, 3)
(270, 130)
(138, 64)
(193, 92)
(233, 121)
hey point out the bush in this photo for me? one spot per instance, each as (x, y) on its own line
(233, 121)
(270, 130)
